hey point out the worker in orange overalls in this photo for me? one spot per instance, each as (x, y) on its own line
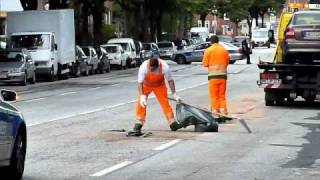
(216, 59)
(151, 78)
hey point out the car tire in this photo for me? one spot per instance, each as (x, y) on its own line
(25, 80)
(181, 60)
(17, 160)
(86, 72)
(232, 61)
(108, 69)
(33, 79)
(77, 72)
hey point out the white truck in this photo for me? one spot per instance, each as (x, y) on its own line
(50, 38)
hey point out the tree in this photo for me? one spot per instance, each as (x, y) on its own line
(29, 4)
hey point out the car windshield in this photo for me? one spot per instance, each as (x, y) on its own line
(125, 46)
(86, 51)
(31, 42)
(225, 38)
(80, 52)
(11, 56)
(307, 18)
(165, 45)
(111, 49)
(260, 34)
(146, 46)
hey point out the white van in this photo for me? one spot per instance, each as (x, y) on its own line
(201, 32)
(129, 48)
(260, 38)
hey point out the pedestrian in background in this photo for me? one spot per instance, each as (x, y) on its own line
(246, 50)
(216, 59)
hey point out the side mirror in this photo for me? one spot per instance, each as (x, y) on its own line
(55, 46)
(7, 95)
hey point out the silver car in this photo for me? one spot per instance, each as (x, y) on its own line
(167, 49)
(17, 66)
(93, 60)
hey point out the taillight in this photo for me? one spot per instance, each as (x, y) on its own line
(269, 76)
(290, 33)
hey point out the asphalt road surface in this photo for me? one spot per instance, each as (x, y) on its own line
(73, 130)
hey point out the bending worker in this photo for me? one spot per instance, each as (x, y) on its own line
(151, 78)
(216, 59)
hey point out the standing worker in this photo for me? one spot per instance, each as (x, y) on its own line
(216, 59)
(151, 78)
(246, 50)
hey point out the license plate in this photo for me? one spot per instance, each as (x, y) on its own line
(271, 81)
(312, 35)
(3, 75)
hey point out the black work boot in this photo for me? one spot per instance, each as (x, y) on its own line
(175, 126)
(136, 130)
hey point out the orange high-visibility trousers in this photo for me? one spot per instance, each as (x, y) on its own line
(162, 97)
(217, 94)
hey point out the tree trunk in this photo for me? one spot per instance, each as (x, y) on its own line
(159, 26)
(97, 25)
(257, 21)
(249, 21)
(29, 4)
(262, 20)
(203, 17)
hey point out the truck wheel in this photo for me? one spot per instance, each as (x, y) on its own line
(280, 102)
(33, 79)
(269, 98)
(51, 75)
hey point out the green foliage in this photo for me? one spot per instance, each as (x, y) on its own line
(107, 32)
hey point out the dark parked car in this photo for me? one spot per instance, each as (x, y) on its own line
(13, 137)
(17, 66)
(104, 61)
(302, 37)
(82, 63)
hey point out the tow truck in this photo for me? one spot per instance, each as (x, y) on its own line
(283, 81)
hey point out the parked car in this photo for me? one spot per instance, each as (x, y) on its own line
(139, 52)
(195, 55)
(150, 49)
(17, 66)
(13, 137)
(223, 38)
(117, 55)
(167, 49)
(260, 38)
(104, 61)
(237, 41)
(129, 48)
(82, 62)
(93, 60)
(302, 37)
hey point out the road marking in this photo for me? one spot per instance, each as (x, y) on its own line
(115, 85)
(67, 93)
(167, 145)
(95, 88)
(112, 169)
(191, 87)
(34, 100)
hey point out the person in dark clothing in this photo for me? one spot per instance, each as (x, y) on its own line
(246, 50)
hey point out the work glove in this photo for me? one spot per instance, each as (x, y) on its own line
(176, 97)
(143, 100)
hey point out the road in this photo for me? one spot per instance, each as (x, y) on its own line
(73, 124)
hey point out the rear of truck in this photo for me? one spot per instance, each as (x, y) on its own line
(287, 81)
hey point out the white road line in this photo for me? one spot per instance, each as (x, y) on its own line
(167, 145)
(191, 87)
(95, 88)
(34, 100)
(67, 93)
(112, 169)
(115, 85)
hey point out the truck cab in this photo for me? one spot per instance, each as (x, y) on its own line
(43, 48)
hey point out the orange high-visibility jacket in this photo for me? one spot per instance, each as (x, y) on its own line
(216, 58)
